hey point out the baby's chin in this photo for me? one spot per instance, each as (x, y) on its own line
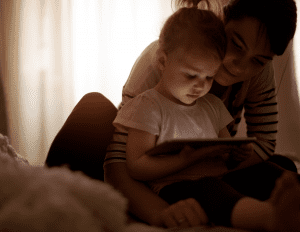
(188, 103)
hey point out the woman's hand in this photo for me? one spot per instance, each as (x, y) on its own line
(238, 154)
(242, 152)
(184, 213)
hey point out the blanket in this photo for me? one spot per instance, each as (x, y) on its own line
(57, 199)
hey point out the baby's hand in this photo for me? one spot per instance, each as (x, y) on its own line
(238, 154)
(184, 213)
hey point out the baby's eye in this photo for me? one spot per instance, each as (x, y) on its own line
(191, 76)
(209, 78)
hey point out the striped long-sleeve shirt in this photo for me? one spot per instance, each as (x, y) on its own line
(257, 96)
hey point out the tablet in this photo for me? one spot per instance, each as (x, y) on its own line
(175, 146)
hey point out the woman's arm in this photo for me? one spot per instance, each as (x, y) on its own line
(261, 113)
(239, 154)
(258, 98)
(261, 116)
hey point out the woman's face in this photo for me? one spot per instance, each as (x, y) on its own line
(248, 52)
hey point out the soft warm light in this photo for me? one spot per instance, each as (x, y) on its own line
(108, 36)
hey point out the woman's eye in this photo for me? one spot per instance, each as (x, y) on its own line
(259, 62)
(236, 45)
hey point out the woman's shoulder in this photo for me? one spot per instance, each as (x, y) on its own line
(266, 75)
(144, 73)
(263, 81)
(149, 53)
(150, 49)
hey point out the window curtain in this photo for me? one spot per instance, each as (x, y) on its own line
(37, 72)
(54, 52)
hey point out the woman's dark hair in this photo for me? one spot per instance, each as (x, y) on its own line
(190, 28)
(277, 17)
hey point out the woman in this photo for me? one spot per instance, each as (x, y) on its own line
(244, 81)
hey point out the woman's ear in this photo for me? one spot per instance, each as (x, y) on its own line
(161, 59)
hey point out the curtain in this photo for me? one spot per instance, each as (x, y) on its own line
(55, 51)
(37, 72)
(108, 37)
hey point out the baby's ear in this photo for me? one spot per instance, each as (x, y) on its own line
(161, 59)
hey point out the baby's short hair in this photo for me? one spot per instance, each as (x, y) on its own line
(191, 28)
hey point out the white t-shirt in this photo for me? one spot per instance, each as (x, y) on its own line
(157, 115)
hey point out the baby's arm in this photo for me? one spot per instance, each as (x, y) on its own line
(145, 167)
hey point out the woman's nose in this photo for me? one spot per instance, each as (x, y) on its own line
(238, 66)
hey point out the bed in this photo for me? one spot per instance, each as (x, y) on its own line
(58, 199)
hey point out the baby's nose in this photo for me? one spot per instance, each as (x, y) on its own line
(200, 83)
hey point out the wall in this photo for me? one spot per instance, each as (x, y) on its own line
(289, 110)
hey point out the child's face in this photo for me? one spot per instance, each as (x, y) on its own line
(189, 75)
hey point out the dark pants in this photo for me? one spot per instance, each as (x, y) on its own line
(218, 196)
